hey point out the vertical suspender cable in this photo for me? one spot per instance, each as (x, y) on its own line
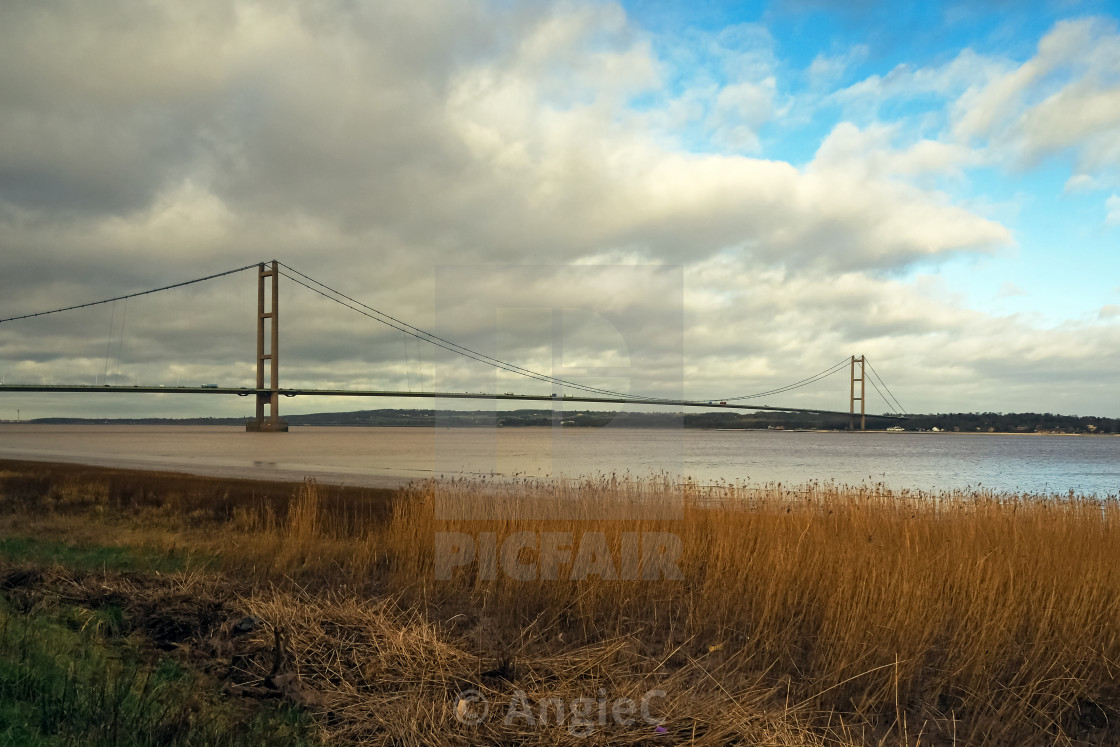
(109, 343)
(120, 345)
(407, 369)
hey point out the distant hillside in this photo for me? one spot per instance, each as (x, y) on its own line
(987, 422)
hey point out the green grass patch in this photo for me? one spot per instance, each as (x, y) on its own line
(92, 557)
(68, 677)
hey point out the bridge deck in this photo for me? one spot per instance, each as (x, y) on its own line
(247, 391)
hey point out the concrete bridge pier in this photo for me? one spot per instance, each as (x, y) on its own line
(268, 397)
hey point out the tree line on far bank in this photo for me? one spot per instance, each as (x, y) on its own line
(964, 422)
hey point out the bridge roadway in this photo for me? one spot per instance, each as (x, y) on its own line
(247, 391)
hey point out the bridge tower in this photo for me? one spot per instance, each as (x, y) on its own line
(860, 398)
(269, 396)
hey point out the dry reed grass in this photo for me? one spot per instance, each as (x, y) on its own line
(388, 676)
(859, 614)
(373, 673)
(990, 617)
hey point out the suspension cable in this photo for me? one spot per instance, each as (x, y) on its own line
(796, 385)
(422, 335)
(897, 404)
(880, 391)
(453, 347)
(130, 295)
(431, 338)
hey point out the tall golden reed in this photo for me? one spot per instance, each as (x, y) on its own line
(966, 616)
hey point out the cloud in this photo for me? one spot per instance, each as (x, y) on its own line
(966, 72)
(718, 88)
(373, 145)
(825, 71)
(1066, 97)
(1010, 290)
(1079, 183)
(740, 110)
(872, 153)
(323, 115)
(766, 327)
(632, 191)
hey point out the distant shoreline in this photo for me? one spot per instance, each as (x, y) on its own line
(1010, 423)
(224, 423)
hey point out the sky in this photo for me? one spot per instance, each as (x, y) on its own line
(704, 200)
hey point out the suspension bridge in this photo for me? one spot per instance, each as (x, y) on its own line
(267, 392)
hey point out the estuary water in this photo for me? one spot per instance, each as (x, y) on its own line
(384, 457)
